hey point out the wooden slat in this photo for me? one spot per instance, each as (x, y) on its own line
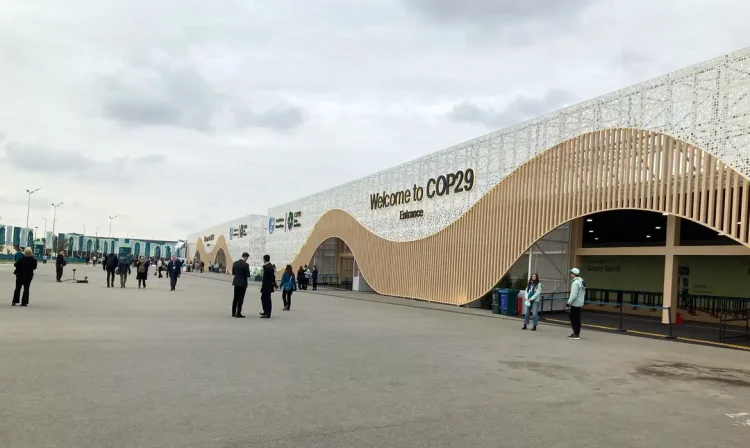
(669, 174)
(711, 195)
(717, 194)
(735, 207)
(695, 178)
(658, 170)
(705, 174)
(728, 203)
(645, 149)
(743, 211)
(651, 188)
(683, 180)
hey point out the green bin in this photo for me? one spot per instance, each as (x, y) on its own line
(508, 302)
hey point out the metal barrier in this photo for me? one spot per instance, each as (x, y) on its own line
(713, 305)
(332, 280)
(670, 335)
(727, 317)
(634, 298)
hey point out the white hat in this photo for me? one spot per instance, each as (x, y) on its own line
(575, 271)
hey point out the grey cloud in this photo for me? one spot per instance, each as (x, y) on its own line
(519, 109)
(497, 12)
(280, 118)
(162, 96)
(31, 158)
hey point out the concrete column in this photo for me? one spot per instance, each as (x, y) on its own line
(671, 265)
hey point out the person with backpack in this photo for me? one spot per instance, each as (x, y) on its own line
(288, 285)
(123, 269)
(141, 269)
(576, 301)
(533, 293)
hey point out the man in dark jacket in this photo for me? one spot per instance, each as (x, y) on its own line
(59, 264)
(314, 276)
(110, 265)
(241, 272)
(267, 287)
(24, 271)
(174, 270)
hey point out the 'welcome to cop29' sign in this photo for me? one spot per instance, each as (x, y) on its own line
(443, 185)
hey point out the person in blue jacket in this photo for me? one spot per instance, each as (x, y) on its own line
(288, 285)
(576, 302)
(533, 295)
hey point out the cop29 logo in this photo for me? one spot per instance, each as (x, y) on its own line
(289, 221)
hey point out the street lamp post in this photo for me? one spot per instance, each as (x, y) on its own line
(54, 221)
(110, 225)
(28, 209)
(44, 238)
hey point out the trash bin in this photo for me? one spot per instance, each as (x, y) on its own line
(508, 302)
(496, 301)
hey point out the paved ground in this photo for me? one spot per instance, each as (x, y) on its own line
(85, 366)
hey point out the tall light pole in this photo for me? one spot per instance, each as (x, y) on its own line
(96, 244)
(110, 225)
(84, 241)
(54, 220)
(28, 209)
(44, 238)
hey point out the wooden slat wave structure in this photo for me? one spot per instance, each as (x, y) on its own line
(603, 170)
(209, 257)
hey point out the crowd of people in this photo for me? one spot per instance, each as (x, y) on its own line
(25, 264)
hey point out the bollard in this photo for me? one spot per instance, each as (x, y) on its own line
(670, 336)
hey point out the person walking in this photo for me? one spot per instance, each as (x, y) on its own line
(160, 266)
(123, 267)
(575, 302)
(314, 277)
(174, 270)
(533, 293)
(59, 265)
(241, 272)
(141, 271)
(110, 264)
(288, 286)
(18, 255)
(25, 267)
(268, 286)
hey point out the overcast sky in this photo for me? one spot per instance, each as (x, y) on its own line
(179, 114)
